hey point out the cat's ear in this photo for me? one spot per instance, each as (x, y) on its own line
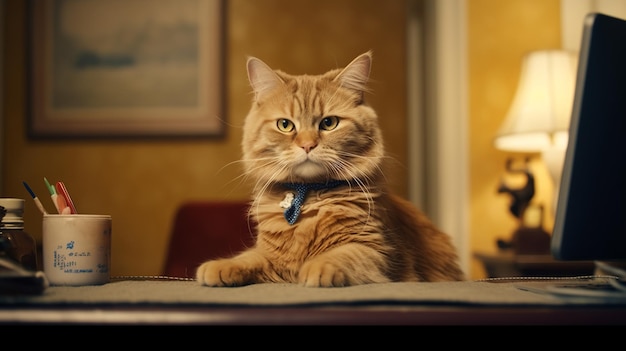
(262, 78)
(357, 73)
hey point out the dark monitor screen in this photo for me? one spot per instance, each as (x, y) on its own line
(590, 222)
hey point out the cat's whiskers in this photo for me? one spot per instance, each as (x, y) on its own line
(274, 167)
(350, 173)
(374, 161)
(242, 177)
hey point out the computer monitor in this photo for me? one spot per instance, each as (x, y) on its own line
(590, 222)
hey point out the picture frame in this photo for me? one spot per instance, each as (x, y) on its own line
(140, 68)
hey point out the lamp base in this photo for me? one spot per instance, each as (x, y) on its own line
(554, 157)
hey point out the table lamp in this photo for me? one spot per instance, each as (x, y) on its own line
(538, 119)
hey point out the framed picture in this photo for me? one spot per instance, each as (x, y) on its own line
(125, 68)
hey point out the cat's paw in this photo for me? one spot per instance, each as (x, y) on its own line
(322, 274)
(224, 272)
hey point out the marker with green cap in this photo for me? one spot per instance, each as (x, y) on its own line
(58, 201)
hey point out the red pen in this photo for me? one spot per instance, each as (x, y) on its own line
(66, 195)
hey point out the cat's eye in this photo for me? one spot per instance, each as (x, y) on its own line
(329, 123)
(285, 125)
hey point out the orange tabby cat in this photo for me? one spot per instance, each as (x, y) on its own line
(325, 215)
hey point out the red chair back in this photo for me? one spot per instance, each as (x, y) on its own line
(204, 230)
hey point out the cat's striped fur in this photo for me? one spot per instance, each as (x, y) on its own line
(314, 129)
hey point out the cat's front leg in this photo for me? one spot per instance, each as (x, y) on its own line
(320, 273)
(346, 265)
(243, 269)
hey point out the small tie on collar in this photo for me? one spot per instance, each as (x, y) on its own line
(293, 212)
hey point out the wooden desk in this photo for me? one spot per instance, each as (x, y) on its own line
(380, 315)
(188, 303)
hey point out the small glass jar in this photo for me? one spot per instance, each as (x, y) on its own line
(15, 243)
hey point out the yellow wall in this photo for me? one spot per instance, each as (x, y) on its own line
(499, 34)
(140, 183)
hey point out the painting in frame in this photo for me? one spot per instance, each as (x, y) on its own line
(125, 68)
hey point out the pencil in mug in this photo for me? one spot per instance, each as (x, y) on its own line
(35, 198)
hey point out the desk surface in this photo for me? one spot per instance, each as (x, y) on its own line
(187, 303)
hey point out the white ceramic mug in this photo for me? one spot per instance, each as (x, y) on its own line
(76, 249)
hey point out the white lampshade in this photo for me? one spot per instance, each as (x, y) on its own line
(540, 113)
(538, 119)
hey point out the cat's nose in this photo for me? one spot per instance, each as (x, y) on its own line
(308, 146)
(307, 141)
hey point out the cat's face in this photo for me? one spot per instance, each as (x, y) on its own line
(311, 128)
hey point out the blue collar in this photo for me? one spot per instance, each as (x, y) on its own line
(293, 212)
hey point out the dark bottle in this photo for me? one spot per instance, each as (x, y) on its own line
(15, 243)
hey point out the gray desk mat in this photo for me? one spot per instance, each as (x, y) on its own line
(182, 292)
